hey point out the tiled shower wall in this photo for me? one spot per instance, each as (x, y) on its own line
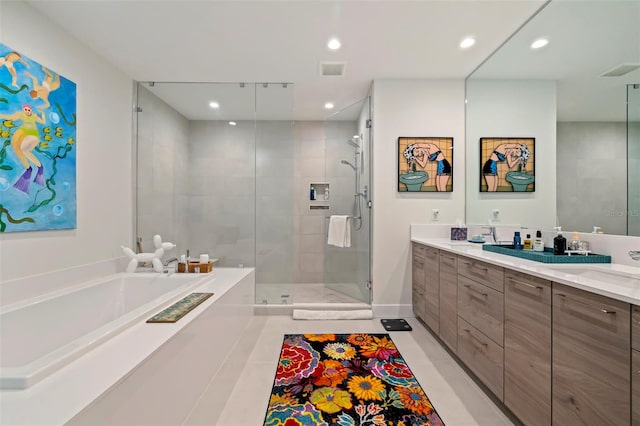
(241, 193)
(592, 176)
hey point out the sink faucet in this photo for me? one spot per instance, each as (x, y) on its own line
(491, 233)
(168, 262)
(634, 254)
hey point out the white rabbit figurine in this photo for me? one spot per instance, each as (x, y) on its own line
(154, 257)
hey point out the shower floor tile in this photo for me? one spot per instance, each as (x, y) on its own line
(304, 293)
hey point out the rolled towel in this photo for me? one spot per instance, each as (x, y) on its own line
(339, 231)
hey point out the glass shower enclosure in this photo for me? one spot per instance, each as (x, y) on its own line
(224, 169)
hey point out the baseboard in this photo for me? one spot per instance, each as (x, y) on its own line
(393, 311)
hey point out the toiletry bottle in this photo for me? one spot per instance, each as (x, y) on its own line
(574, 244)
(326, 193)
(559, 243)
(312, 193)
(517, 242)
(538, 244)
(527, 243)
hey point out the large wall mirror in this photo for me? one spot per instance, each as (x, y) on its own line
(579, 97)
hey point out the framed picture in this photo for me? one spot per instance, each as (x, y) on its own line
(425, 164)
(507, 165)
(37, 146)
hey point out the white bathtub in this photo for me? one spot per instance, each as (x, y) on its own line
(41, 335)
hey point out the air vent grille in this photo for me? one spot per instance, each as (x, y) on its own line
(332, 69)
(621, 70)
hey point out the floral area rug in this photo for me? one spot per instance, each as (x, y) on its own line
(346, 380)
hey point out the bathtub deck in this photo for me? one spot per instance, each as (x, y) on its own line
(62, 395)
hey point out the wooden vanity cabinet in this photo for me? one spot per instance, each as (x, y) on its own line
(417, 281)
(481, 321)
(591, 353)
(449, 299)
(635, 365)
(527, 347)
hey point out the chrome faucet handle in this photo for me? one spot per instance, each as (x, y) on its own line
(634, 254)
(492, 233)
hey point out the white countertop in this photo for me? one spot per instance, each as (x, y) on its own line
(626, 288)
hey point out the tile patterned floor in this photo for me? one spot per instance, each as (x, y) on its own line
(239, 394)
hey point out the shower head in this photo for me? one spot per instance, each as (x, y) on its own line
(354, 141)
(348, 164)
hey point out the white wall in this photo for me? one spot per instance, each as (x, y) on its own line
(513, 108)
(104, 193)
(409, 108)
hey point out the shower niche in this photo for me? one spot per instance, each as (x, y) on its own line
(319, 193)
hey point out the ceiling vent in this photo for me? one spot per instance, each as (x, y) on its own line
(332, 69)
(621, 70)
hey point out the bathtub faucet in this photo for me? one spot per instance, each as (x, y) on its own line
(168, 262)
(634, 254)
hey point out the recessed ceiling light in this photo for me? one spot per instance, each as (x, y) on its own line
(328, 105)
(214, 105)
(334, 44)
(541, 42)
(232, 123)
(467, 42)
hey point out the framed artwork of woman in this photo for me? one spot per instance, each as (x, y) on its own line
(425, 164)
(507, 164)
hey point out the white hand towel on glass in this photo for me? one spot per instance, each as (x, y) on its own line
(339, 231)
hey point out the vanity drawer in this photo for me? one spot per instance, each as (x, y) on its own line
(483, 307)
(448, 262)
(485, 273)
(635, 327)
(429, 254)
(482, 355)
(418, 250)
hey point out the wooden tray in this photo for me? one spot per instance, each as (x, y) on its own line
(201, 267)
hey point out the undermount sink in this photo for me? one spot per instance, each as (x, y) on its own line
(607, 274)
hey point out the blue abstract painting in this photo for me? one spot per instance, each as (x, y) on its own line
(37, 146)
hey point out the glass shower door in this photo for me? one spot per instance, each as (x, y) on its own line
(633, 159)
(277, 190)
(347, 171)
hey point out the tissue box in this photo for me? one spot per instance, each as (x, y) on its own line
(458, 234)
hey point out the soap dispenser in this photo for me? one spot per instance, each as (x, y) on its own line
(559, 243)
(538, 244)
(517, 241)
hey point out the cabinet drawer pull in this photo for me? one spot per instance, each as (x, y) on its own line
(476, 290)
(537, 287)
(476, 338)
(482, 268)
(604, 311)
(474, 266)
